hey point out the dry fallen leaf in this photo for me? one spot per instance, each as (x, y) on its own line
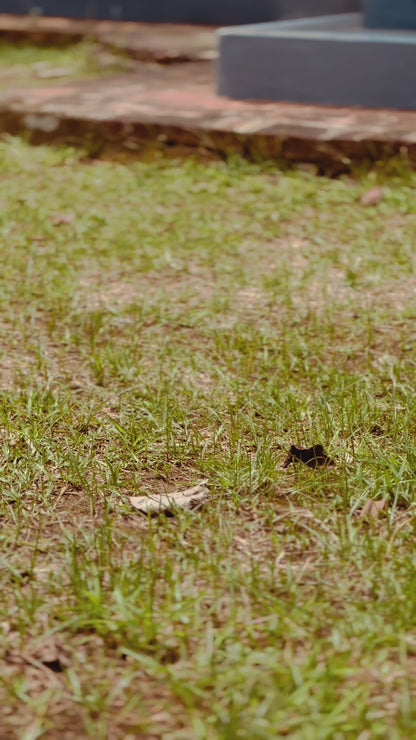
(63, 218)
(190, 498)
(46, 73)
(5, 628)
(372, 197)
(372, 508)
(314, 456)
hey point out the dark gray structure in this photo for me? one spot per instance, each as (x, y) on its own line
(399, 14)
(332, 60)
(286, 9)
(216, 12)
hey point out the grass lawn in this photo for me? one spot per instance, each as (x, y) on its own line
(163, 322)
(23, 64)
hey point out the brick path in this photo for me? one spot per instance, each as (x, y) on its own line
(176, 104)
(162, 42)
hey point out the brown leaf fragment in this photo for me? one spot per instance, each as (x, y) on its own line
(168, 503)
(372, 197)
(314, 456)
(5, 629)
(372, 509)
(62, 218)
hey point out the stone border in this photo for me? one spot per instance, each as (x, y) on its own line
(331, 157)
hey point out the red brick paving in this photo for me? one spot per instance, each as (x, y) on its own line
(178, 105)
(164, 42)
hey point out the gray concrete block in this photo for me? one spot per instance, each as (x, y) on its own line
(330, 60)
(387, 14)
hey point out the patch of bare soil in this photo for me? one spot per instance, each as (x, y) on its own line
(117, 293)
(139, 707)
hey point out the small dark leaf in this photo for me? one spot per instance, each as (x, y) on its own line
(376, 431)
(54, 665)
(51, 653)
(170, 655)
(314, 456)
(21, 576)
